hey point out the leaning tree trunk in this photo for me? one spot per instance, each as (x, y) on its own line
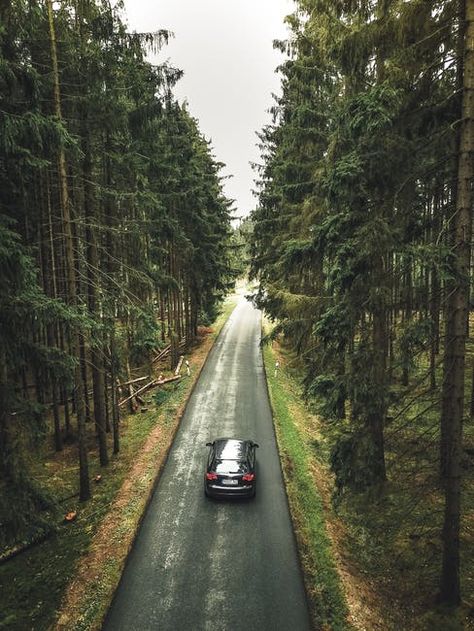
(457, 321)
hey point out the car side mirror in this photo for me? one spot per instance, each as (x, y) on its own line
(209, 444)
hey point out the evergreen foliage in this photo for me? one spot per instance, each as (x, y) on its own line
(114, 229)
(353, 245)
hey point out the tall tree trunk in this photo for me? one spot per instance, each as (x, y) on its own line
(457, 315)
(96, 350)
(52, 329)
(68, 433)
(187, 321)
(376, 417)
(173, 312)
(84, 484)
(434, 316)
(435, 307)
(471, 410)
(47, 261)
(378, 410)
(194, 312)
(162, 316)
(85, 380)
(91, 223)
(110, 307)
(114, 395)
(7, 440)
(408, 312)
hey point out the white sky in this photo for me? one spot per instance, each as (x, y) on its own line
(225, 49)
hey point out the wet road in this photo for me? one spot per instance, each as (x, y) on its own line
(201, 564)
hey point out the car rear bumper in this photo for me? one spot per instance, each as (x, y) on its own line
(214, 490)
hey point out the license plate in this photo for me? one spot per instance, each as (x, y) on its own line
(230, 482)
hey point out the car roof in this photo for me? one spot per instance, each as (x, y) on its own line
(231, 448)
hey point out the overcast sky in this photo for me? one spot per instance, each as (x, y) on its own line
(225, 49)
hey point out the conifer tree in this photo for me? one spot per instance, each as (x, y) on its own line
(355, 242)
(110, 204)
(458, 318)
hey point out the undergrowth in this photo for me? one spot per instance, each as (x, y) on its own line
(392, 533)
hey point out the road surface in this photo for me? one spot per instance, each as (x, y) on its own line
(202, 564)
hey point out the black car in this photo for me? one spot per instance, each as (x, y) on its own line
(231, 468)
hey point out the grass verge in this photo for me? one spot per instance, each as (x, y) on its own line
(68, 581)
(328, 606)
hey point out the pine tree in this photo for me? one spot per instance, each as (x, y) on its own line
(458, 320)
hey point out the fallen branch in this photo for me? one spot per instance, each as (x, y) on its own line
(26, 545)
(168, 380)
(178, 367)
(128, 383)
(142, 389)
(161, 354)
(167, 350)
(151, 384)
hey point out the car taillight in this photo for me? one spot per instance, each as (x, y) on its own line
(211, 476)
(248, 477)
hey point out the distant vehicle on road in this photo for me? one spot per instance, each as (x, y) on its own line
(231, 468)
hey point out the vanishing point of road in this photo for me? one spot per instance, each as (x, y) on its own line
(201, 564)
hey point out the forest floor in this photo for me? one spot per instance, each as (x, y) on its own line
(387, 542)
(67, 581)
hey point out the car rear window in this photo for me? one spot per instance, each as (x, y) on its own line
(231, 450)
(230, 466)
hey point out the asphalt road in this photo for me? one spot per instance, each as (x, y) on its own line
(202, 564)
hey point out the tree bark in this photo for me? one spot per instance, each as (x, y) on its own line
(457, 315)
(376, 419)
(84, 485)
(96, 350)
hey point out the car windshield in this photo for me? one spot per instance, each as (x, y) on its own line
(230, 466)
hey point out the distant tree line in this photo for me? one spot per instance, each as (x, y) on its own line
(362, 236)
(114, 229)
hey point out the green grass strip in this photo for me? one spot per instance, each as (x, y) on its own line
(327, 602)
